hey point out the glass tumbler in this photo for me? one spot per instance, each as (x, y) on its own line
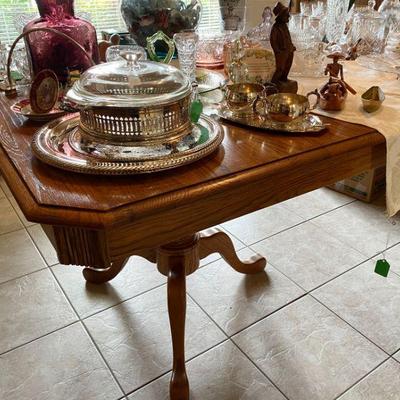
(186, 44)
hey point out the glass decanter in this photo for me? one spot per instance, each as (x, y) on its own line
(262, 32)
(369, 26)
(50, 51)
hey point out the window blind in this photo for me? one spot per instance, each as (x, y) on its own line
(104, 14)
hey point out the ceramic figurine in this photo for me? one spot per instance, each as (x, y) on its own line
(282, 45)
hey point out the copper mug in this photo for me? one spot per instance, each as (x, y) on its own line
(241, 98)
(285, 107)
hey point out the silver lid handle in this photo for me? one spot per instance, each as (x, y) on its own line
(132, 58)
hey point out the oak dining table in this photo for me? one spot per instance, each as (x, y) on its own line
(98, 222)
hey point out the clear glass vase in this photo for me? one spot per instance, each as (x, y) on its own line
(336, 19)
(49, 51)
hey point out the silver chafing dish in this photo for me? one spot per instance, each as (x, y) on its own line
(133, 118)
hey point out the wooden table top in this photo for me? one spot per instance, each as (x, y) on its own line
(53, 196)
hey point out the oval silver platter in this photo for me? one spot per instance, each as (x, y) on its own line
(60, 144)
(309, 124)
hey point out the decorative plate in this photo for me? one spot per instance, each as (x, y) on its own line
(209, 80)
(23, 108)
(61, 144)
(43, 95)
(309, 124)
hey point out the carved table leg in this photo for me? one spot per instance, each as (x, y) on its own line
(214, 241)
(177, 260)
(99, 276)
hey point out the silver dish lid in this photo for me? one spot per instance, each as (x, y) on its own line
(129, 83)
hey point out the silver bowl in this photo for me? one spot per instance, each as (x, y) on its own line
(286, 107)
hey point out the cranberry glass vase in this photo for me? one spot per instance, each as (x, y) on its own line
(50, 51)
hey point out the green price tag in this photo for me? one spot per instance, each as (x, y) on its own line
(196, 108)
(382, 268)
(205, 135)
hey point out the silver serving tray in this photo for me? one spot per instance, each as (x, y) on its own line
(309, 124)
(62, 144)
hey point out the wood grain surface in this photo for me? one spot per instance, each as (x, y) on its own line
(252, 169)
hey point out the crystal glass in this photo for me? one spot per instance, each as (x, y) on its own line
(210, 50)
(145, 18)
(390, 10)
(20, 64)
(186, 44)
(306, 36)
(233, 18)
(336, 19)
(392, 49)
(49, 51)
(306, 8)
(318, 9)
(368, 25)
(113, 53)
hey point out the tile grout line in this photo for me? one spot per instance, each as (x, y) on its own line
(388, 356)
(24, 276)
(38, 249)
(309, 291)
(286, 229)
(361, 379)
(230, 338)
(23, 227)
(89, 335)
(82, 321)
(16, 212)
(267, 316)
(103, 358)
(350, 325)
(188, 360)
(38, 338)
(121, 302)
(352, 268)
(259, 369)
(318, 215)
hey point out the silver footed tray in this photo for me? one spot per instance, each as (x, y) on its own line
(309, 124)
(61, 144)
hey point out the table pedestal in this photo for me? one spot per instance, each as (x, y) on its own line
(177, 260)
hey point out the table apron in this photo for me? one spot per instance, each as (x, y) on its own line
(99, 248)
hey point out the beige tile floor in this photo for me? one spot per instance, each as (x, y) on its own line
(318, 324)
